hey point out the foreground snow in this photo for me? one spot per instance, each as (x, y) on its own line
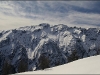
(90, 65)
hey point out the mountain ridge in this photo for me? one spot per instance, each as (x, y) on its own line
(59, 43)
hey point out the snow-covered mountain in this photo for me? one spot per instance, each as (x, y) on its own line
(90, 65)
(59, 43)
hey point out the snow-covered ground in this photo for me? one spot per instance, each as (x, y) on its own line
(90, 65)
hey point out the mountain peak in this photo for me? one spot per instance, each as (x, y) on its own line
(60, 44)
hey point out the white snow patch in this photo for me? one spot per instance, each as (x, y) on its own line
(83, 38)
(4, 36)
(77, 31)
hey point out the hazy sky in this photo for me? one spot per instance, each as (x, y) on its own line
(14, 14)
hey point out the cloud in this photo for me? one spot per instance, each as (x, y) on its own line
(15, 14)
(84, 18)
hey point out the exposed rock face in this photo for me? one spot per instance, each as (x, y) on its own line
(56, 43)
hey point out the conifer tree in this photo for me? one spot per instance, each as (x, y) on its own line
(23, 66)
(43, 62)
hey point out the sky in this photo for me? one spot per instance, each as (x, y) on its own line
(14, 14)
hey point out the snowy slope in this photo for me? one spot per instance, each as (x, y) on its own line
(90, 65)
(57, 43)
